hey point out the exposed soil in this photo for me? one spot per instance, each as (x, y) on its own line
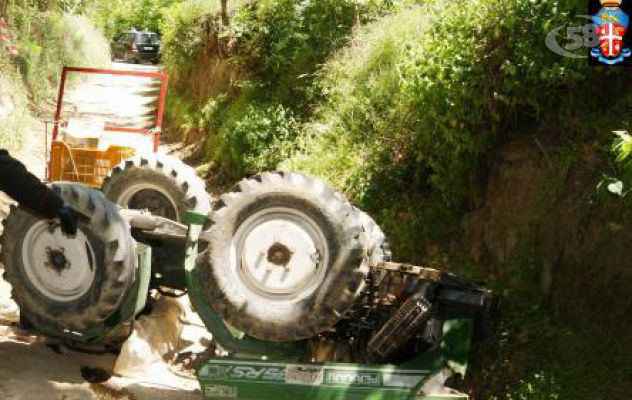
(558, 253)
(535, 203)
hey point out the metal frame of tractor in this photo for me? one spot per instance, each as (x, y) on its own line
(259, 369)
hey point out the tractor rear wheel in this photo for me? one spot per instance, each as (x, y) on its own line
(287, 257)
(378, 247)
(161, 184)
(69, 286)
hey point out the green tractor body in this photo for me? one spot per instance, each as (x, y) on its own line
(256, 379)
(268, 370)
(253, 368)
(295, 284)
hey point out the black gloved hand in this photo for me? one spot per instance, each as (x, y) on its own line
(68, 219)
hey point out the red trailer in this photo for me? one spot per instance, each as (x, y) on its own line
(86, 147)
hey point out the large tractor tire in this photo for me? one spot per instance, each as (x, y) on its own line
(379, 249)
(159, 183)
(69, 285)
(286, 259)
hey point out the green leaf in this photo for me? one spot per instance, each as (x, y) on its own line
(616, 188)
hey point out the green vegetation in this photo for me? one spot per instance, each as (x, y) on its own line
(256, 141)
(13, 106)
(46, 38)
(117, 16)
(396, 103)
(619, 181)
(423, 109)
(408, 107)
(623, 150)
(184, 34)
(267, 58)
(283, 43)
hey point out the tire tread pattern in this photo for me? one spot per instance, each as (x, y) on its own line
(347, 269)
(109, 231)
(183, 178)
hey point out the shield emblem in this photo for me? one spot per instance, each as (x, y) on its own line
(611, 39)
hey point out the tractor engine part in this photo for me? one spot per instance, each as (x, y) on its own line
(287, 257)
(323, 349)
(69, 285)
(159, 183)
(406, 322)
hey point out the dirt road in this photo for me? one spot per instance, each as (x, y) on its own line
(32, 369)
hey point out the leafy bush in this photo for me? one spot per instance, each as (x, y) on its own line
(623, 150)
(432, 86)
(241, 138)
(275, 47)
(253, 141)
(619, 184)
(116, 16)
(182, 116)
(284, 42)
(280, 43)
(183, 32)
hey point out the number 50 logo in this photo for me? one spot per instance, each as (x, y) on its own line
(576, 36)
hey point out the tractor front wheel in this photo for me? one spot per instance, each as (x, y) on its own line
(161, 184)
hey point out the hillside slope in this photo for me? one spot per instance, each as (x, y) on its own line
(475, 147)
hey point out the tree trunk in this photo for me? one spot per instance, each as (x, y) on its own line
(225, 20)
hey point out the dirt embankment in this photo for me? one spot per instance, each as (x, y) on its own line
(209, 73)
(539, 200)
(558, 254)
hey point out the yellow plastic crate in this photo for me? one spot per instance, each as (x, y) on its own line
(86, 166)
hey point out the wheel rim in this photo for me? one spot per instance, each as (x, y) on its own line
(150, 197)
(279, 255)
(61, 268)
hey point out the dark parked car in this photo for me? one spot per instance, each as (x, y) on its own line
(135, 46)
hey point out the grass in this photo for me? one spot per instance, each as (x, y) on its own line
(46, 40)
(13, 107)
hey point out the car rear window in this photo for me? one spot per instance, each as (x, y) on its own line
(148, 38)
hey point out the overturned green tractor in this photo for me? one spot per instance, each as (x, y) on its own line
(295, 284)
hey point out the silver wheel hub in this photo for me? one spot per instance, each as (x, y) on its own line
(152, 197)
(61, 268)
(279, 255)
